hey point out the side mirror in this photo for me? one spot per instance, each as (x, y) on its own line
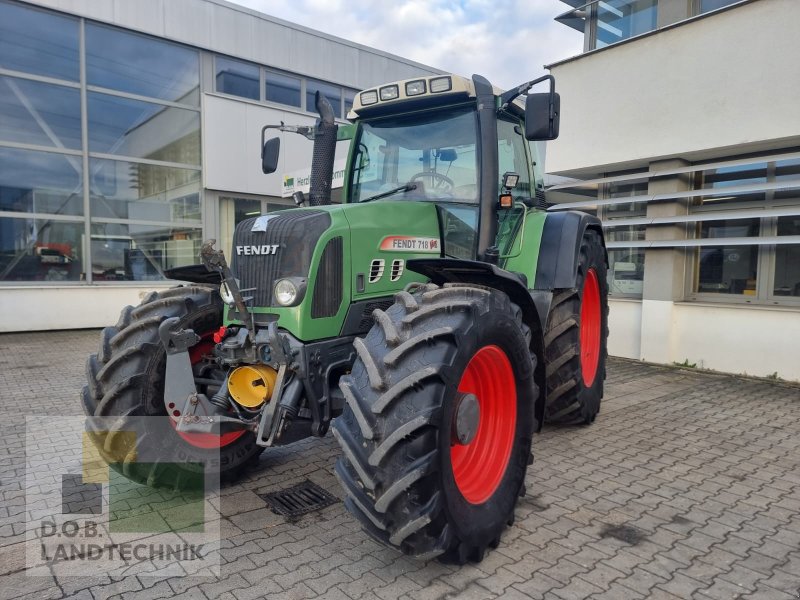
(269, 155)
(542, 116)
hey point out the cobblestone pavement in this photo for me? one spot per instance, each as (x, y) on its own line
(687, 486)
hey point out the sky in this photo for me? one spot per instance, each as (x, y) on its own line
(507, 41)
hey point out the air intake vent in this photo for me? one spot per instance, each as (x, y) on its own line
(376, 270)
(328, 290)
(397, 269)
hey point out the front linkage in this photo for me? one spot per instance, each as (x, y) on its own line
(270, 369)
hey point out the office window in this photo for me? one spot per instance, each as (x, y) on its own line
(332, 92)
(126, 190)
(237, 78)
(141, 65)
(39, 249)
(40, 182)
(617, 20)
(143, 129)
(788, 172)
(39, 113)
(38, 42)
(134, 252)
(349, 96)
(754, 272)
(729, 181)
(625, 265)
(709, 5)
(787, 260)
(728, 268)
(283, 89)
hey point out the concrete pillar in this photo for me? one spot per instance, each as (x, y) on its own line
(664, 268)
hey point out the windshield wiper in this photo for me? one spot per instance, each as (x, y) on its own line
(403, 188)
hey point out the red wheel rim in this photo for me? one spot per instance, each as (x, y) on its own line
(478, 467)
(206, 441)
(590, 328)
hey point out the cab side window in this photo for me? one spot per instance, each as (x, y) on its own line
(511, 156)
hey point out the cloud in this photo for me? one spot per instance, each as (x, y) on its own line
(507, 41)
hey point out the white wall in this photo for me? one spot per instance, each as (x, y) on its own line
(738, 339)
(751, 340)
(232, 141)
(727, 80)
(42, 308)
(624, 328)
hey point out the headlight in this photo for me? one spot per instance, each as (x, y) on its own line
(289, 292)
(225, 294)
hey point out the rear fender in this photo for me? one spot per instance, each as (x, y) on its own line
(448, 270)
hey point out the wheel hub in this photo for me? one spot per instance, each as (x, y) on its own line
(466, 417)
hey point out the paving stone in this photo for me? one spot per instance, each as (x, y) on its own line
(706, 466)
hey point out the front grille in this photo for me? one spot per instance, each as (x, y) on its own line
(290, 240)
(328, 288)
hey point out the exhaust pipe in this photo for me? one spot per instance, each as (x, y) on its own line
(319, 192)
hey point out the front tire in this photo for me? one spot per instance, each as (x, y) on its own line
(409, 479)
(125, 382)
(576, 339)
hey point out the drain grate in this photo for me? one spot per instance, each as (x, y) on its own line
(299, 500)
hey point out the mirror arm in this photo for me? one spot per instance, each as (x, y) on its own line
(307, 131)
(507, 97)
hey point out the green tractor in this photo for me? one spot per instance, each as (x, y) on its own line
(435, 318)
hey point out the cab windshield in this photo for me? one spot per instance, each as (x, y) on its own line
(420, 156)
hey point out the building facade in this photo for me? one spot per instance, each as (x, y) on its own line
(130, 132)
(680, 129)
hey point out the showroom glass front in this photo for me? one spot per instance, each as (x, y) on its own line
(125, 206)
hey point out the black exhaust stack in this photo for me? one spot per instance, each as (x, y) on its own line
(319, 192)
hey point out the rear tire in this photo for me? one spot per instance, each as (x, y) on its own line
(576, 339)
(407, 480)
(125, 379)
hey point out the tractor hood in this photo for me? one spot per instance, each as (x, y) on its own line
(335, 255)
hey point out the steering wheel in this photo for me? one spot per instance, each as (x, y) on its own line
(439, 182)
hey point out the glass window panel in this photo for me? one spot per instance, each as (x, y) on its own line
(728, 269)
(38, 42)
(628, 209)
(735, 176)
(40, 250)
(237, 78)
(787, 260)
(141, 65)
(282, 89)
(349, 96)
(725, 179)
(625, 271)
(617, 20)
(708, 5)
(128, 252)
(39, 113)
(41, 182)
(143, 130)
(787, 171)
(125, 190)
(511, 156)
(332, 92)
